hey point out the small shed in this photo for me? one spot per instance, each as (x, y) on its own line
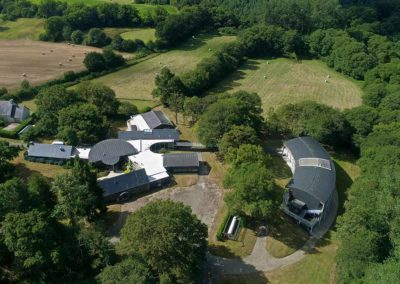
(182, 162)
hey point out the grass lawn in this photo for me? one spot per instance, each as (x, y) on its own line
(137, 81)
(145, 34)
(21, 29)
(242, 247)
(285, 236)
(30, 104)
(25, 168)
(287, 81)
(185, 180)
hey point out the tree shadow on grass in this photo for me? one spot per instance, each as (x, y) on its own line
(230, 82)
(196, 42)
(288, 232)
(2, 29)
(343, 184)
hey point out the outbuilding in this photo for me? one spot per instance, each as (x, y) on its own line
(182, 162)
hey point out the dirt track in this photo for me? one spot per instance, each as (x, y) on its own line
(37, 60)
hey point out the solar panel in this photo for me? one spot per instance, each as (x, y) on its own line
(315, 162)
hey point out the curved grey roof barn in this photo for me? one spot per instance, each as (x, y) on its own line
(110, 151)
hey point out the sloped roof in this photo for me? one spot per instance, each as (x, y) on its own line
(124, 182)
(184, 160)
(5, 108)
(154, 134)
(50, 151)
(315, 180)
(156, 119)
(12, 110)
(110, 151)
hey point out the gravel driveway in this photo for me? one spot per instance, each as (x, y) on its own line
(204, 198)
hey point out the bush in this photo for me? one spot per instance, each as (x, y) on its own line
(145, 109)
(126, 109)
(96, 37)
(95, 62)
(220, 232)
(112, 60)
(77, 37)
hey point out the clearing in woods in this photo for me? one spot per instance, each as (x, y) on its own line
(137, 82)
(282, 81)
(39, 61)
(144, 34)
(21, 29)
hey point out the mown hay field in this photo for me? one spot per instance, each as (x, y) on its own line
(282, 81)
(137, 82)
(40, 61)
(21, 29)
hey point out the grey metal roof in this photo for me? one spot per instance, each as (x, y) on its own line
(121, 183)
(154, 134)
(12, 110)
(181, 160)
(51, 151)
(311, 183)
(110, 151)
(156, 118)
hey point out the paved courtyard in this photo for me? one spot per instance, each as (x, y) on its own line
(204, 198)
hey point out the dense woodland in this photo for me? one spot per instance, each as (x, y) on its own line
(357, 38)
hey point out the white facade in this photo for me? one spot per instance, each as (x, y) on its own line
(138, 123)
(152, 162)
(289, 159)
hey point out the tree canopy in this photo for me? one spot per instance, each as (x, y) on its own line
(169, 238)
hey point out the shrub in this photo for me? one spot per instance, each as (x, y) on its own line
(77, 37)
(95, 62)
(145, 109)
(220, 232)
